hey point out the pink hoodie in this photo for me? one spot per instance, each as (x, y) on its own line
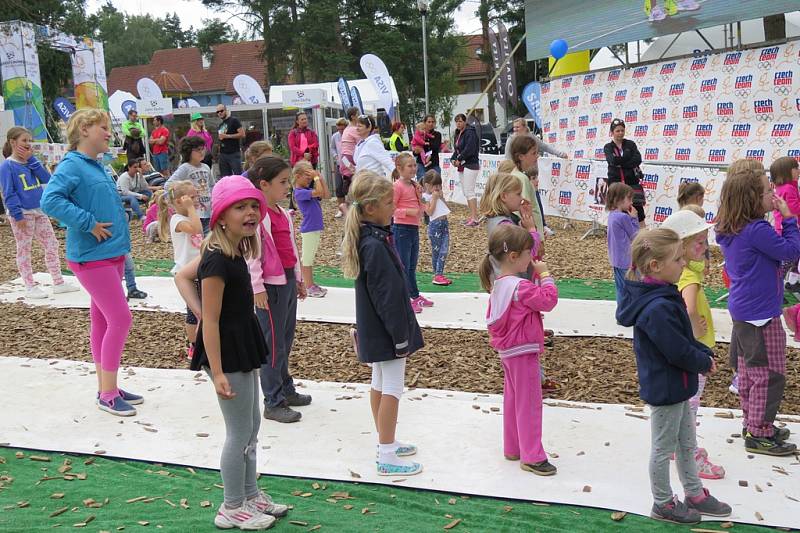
(791, 195)
(268, 268)
(150, 216)
(514, 315)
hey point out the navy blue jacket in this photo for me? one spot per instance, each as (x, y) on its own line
(467, 148)
(668, 358)
(386, 325)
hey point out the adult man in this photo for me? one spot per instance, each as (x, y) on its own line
(132, 130)
(521, 128)
(159, 145)
(231, 134)
(336, 148)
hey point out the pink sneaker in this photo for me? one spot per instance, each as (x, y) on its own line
(790, 317)
(424, 302)
(415, 305)
(472, 223)
(706, 469)
(439, 279)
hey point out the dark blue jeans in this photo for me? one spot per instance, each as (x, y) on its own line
(130, 275)
(230, 164)
(421, 171)
(619, 282)
(406, 242)
(439, 235)
(277, 326)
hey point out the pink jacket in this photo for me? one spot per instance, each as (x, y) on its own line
(791, 195)
(150, 216)
(514, 315)
(406, 196)
(268, 269)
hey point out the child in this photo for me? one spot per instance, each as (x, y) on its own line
(255, 151)
(691, 193)
(438, 226)
(310, 190)
(22, 178)
(151, 225)
(405, 227)
(668, 359)
(81, 195)
(387, 330)
(230, 347)
(691, 227)
(193, 169)
(784, 172)
(277, 284)
(514, 319)
(623, 225)
(418, 142)
(753, 254)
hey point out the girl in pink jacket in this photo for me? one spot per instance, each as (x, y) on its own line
(514, 320)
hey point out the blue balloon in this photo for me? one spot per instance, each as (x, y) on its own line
(558, 48)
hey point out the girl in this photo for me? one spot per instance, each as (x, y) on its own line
(623, 226)
(753, 254)
(277, 285)
(784, 172)
(152, 225)
(386, 328)
(668, 359)
(514, 320)
(255, 151)
(623, 158)
(501, 198)
(691, 227)
(310, 190)
(525, 155)
(230, 347)
(438, 227)
(370, 153)
(22, 178)
(83, 197)
(691, 193)
(193, 169)
(408, 210)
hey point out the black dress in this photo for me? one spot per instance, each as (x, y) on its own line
(242, 345)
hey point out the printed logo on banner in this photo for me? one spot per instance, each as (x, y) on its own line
(647, 92)
(596, 98)
(570, 135)
(740, 130)
(555, 169)
(794, 154)
(731, 60)
(588, 80)
(683, 154)
(552, 137)
(621, 95)
(606, 118)
(717, 155)
(780, 133)
(582, 176)
(579, 154)
(661, 213)
(676, 91)
(563, 123)
(599, 153)
(708, 88)
(546, 88)
(670, 130)
(767, 55)
(703, 132)
(639, 73)
(690, 111)
(640, 131)
(546, 127)
(649, 182)
(763, 109)
(565, 198)
(687, 179)
(725, 110)
(659, 113)
(566, 83)
(668, 69)
(632, 116)
(755, 153)
(591, 133)
(583, 121)
(573, 101)
(699, 64)
(613, 75)
(743, 85)
(651, 154)
(554, 104)
(782, 82)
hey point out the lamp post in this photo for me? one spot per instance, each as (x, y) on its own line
(423, 6)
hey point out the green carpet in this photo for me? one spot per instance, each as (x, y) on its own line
(27, 502)
(573, 289)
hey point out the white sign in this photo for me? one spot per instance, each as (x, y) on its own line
(152, 107)
(249, 90)
(148, 89)
(304, 98)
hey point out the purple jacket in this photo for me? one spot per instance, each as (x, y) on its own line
(753, 261)
(622, 228)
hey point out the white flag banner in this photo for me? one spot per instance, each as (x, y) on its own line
(249, 90)
(148, 90)
(377, 73)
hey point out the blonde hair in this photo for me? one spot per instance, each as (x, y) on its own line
(506, 166)
(420, 126)
(492, 199)
(689, 190)
(161, 199)
(12, 135)
(218, 239)
(505, 239)
(368, 188)
(740, 201)
(303, 168)
(696, 209)
(256, 150)
(171, 194)
(402, 158)
(651, 245)
(83, 118)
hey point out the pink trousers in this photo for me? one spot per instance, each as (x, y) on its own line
(109, 313)
(36, 225)
(522, 408)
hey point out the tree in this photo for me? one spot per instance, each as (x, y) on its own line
(214, 32)
(175, 36)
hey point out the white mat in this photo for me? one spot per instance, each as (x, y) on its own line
(570, 318)
(460, 446)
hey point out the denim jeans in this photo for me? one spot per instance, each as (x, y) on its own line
(133, 202)
(278, 325)
(160, 161)
(619, 283)
(439, 235)
(230, 164)
(421, 170)
(406, 242)
(130, 275)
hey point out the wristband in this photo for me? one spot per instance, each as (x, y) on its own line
(544, 274)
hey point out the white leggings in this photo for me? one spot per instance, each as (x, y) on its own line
(388, 377)
(468, 180)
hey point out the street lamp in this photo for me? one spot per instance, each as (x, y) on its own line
(423, 6)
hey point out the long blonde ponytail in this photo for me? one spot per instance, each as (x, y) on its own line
(367, 188)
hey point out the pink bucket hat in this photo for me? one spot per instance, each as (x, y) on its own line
(232, 189)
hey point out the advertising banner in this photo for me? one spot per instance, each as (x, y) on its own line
(355, 97)
(344, 94)
(249, 89)
(22, 86)
(497, 60)
(709, 109)
(63, 108)
(88, 67)
(532, 98)
(148, 89)
(509, 74)
(378, 74)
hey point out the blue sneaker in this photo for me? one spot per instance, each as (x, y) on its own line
(405, 450)
(388, 469)
(131, 398)
(117, 406)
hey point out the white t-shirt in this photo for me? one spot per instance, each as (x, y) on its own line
(441, 209)
(185, 247)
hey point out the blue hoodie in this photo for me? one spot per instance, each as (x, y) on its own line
(81, 194)
(22, 185)
(668, 358)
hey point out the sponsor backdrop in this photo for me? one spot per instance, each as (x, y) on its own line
(711, 109)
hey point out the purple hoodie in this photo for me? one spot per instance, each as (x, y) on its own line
(753, 261)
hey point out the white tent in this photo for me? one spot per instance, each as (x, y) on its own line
(365, 88)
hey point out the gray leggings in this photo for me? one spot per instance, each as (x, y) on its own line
(672, 431)
(242, 420)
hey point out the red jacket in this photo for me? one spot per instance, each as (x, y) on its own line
(294, 145)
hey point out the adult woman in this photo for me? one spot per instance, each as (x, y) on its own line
(623, 160)
(397, 141)
(465, 158)
(303, 141)
(370, 153)
(198, 129)
(433, 146)
(521, 128)
(525, 155)
(347, 164)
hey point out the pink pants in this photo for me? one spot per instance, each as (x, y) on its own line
(522, 408)
(36, 225)
(110, 317)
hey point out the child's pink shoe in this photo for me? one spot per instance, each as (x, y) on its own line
(415, 306)
(706, 469)
(790, 317)
(424, 302)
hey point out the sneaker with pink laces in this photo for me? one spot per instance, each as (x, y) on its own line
(264, 503)
(439, 279)
(472, 223)
(706, 469)
(415, 306)
(246, 517)
(424, 302)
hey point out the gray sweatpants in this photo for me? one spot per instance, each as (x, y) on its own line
(672, 430)
(242, 420)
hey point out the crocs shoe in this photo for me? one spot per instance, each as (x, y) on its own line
(676, 512)
(708, 505)
(117, 407)
(315, 291)
(388, 469)
(708, 470)
(263, 502)
(246, 517)
(133, 399)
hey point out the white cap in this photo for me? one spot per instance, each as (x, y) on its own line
(685, 223)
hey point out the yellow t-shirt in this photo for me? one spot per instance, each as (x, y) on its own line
(693, 274)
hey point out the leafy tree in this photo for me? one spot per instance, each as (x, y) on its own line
(214, 32)
(175, 36)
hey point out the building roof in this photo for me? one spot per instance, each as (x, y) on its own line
(473, 67)
(229, 60)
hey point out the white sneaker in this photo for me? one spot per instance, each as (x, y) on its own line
(657, 14)
(264, 503)
(247, 517)
(549, 232)
(64, 288)
(338, 214)
(35, 293)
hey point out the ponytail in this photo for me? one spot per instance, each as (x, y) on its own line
(367, 188)
(401, 159)
(162, 200)
(486, 273)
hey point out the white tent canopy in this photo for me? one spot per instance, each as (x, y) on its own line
(368, 94)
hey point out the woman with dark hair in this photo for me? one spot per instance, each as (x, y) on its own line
(303, 141)
(432, 147)
(465, 159)
(623, 158)
(397, 141)
(370, 153)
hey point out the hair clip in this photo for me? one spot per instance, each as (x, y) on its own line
(645, 244)
(505, 247)
(354, 203)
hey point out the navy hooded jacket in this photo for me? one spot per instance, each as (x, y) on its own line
(668, 358)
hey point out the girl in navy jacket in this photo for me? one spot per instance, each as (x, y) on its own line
(386, 327)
